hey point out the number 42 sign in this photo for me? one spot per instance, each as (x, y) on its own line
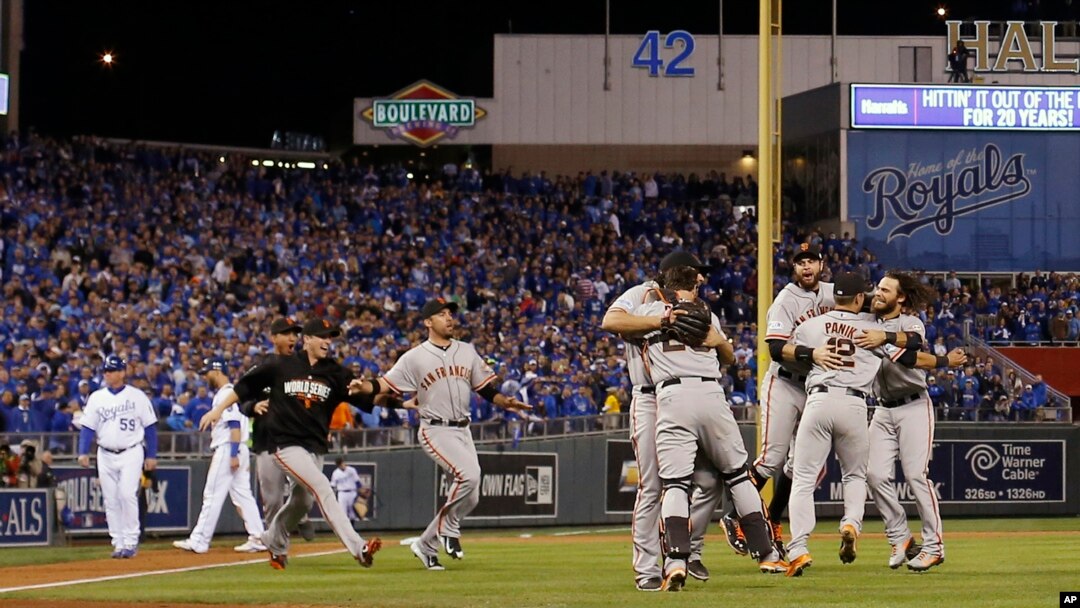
(648, 57)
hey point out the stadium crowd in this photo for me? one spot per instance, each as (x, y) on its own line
(166, 256)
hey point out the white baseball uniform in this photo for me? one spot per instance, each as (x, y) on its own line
(119, 419)
(222, 480)
(903, 428)
(345, 482)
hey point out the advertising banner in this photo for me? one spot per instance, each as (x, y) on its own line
(621, 477)
(512, 485)
(25, 517)
(365, 503)
(979, 471)
(84, 505)
(978, 201)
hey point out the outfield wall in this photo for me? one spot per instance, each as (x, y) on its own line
(978, 470)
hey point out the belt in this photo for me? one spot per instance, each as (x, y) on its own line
(464, 422)
(851, 392)
(120, 451)
(783, 373)
(647, 390)
(674, 381)
(900, 401)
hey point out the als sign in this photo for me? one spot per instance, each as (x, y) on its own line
(876, 106)
(423, 113)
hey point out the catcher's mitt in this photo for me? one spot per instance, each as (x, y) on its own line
(691, 326)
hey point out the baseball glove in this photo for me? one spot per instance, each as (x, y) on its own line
(692, 326)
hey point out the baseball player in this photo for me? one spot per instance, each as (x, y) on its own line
(229, 472)
(835, 413)
(621, 318)
(903, 427)
(122, 417)
(782, 397)
(345, 481)
(692, 412)
(274, 487)
(444, 373)
(304, 390)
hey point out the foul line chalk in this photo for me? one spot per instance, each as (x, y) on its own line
(119, 577)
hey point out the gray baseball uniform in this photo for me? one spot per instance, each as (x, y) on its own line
(782, 397)
(783, 392)
(903, 428)
(444, 380)
(693, 413)
(645, 523)
(834, 416)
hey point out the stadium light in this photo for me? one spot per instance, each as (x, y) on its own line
(748, 155)
(409, 175)
(305, 164)
(221, 159)
(254, 163)
(942, 11)
(268, 163)
(108, 59)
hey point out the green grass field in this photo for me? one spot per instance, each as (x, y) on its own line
(993, 562)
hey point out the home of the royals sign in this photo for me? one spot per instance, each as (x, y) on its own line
(423, 113)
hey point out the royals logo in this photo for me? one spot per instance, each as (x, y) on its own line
(934, 195)
(423, 113)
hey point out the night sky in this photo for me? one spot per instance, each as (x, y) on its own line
(231, 73)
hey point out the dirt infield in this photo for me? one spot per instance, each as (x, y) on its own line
(146, 561)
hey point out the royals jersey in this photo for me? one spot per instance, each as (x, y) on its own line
(346, 480)
(629, 301)
(895, 380)
(666, 359)
(220, 433)
(118, 418)
(792, 307)
(443, 379)
(838, 329)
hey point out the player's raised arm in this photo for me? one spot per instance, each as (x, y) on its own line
(228, 398)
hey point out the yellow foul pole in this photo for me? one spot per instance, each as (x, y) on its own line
(768, 207)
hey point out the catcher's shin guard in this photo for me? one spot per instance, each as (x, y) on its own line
(758, 539)
(676, 538)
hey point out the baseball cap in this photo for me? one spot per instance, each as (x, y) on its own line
(806, 250)
(322, 328)
(849, 284)
(682, 258)
(284, 325)
(212, 363)
(114, 363)
(434, 307)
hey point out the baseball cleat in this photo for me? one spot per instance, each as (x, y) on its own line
(778, 539)
(307, 530)
(734, 535)
(924, 561)
(899, 555)
(431, 562)
(653, 583)
(848, 535)
(773, 564)
(117, 553)
(675, 579)
(129, 553)
(453, 547)
(251, 546)
(697, 570)
(367, 556)
(278, 562)
(797, 565)
(187, 545)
